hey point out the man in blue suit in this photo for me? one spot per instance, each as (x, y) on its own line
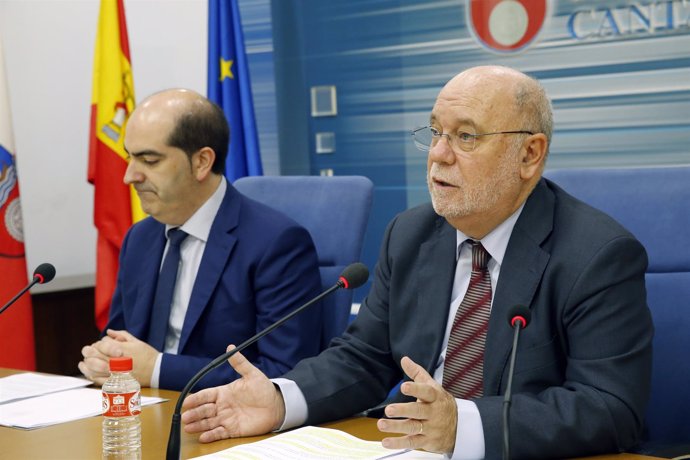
(495, 235)
(242, 265)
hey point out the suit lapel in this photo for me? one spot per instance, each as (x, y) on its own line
(216, 254)
(523, 266)
(436, 274)
(147, 279)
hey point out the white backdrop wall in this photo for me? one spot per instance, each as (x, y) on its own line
(48, 47)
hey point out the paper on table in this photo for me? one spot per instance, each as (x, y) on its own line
(29, 384)
(55, 408)
(314, 443)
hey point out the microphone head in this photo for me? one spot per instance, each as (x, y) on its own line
(519, 313)
(354, 276)
(44, 273)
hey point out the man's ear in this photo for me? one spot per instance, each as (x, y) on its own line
(533, 156)
(202, 162)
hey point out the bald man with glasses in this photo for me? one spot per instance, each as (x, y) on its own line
(495, 234)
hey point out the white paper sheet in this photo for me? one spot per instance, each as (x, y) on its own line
(54, 408)
(29, 384)
(314, 443)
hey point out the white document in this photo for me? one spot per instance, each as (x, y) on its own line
(29, 384)
(314, 443)
(54, 408)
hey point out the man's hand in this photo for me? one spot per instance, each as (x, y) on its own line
(122, 343)
(248, 406)
(118, 343)
(430, 423)
(95, 365)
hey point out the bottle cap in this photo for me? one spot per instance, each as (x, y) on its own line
(121, 364)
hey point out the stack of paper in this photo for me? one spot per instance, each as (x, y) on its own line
(28, 385)
(314, 443)
(31, 400)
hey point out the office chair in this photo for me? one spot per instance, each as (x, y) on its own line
(335, 211)
(654, 205)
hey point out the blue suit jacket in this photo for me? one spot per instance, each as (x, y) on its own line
(258, 265)
(583, 367)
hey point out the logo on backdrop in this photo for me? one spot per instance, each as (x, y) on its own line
(506, 26)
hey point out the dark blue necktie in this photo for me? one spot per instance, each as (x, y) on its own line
(160, 315)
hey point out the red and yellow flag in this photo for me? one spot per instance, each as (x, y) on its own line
(116, 206)
(16, 323)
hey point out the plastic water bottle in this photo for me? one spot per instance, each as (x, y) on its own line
(121, 408)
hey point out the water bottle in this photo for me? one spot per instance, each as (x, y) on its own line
(121, 408)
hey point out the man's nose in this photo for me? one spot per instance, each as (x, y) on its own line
(132, 175)
(442, 152)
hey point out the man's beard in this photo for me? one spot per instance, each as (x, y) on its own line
(465, 199)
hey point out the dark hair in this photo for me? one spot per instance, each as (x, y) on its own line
(203, 126)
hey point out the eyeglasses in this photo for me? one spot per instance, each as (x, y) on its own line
(427, 137)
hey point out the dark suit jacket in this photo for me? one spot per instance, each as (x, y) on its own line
(583, 368)
(257, 266)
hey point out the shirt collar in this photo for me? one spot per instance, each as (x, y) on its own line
(496, 242)
(199, 225)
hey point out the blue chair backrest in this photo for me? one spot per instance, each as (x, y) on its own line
(654, 205)
(335, 211)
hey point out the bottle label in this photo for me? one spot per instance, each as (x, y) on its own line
(121, 404)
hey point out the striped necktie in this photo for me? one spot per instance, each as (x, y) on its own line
(464, 364)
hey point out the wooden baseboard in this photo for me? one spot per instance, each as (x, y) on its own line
(63, 323)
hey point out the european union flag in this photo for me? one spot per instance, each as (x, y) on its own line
(229, 87)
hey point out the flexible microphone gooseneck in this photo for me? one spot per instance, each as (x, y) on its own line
(518, 318)
(353, 276)
(44, 273)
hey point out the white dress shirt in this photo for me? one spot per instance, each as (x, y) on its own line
(470, 433)
(198, 227)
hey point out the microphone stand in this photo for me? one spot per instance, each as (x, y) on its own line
(508, 394)
(34, 281)
(173, 452)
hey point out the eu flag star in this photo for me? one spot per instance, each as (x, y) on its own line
(226, 69)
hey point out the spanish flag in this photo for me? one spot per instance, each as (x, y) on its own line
(116, 206)
(16, 323)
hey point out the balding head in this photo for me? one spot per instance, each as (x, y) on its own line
(513, 95)
(177, 141)
(173, 101)
(490, 146)
(192, 121)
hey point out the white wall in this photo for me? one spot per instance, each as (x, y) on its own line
(48, 47)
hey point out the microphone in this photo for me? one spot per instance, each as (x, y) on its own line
(518, 318)
(353, 276)
(44, 273)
